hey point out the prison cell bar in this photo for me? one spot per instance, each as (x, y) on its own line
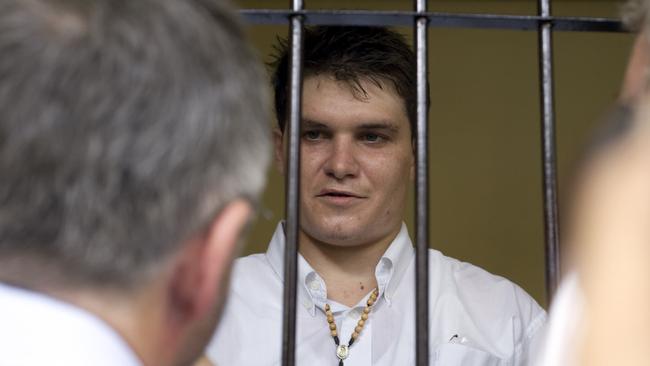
(549, 159)
(421, 191)
(292, 189)
(435, 19)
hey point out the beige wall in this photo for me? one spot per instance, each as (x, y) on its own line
(486, 195)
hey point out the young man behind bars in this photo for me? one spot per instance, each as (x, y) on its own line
(132, 133)
(356, 263)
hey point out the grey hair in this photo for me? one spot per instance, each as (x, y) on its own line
(634, 14)
(125, 127)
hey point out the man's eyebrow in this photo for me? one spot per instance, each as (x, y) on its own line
(308, 123)
(378, 125)
(382, 125)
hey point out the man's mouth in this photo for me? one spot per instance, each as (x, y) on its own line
(334, 193)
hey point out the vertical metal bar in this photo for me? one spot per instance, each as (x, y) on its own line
(548, 150)
(292, 190)
(421, 192)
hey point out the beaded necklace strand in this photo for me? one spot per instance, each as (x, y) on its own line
(343, 350)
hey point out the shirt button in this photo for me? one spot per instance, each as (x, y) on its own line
(314, 285)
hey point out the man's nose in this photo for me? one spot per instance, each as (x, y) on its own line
(341, 162)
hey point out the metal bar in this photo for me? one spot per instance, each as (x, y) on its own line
(421, 192)
(292, 190)
(551, 229)
(435, 19)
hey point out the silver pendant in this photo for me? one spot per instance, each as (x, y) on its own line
(342, 352)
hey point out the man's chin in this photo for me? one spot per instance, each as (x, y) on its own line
(338, 235)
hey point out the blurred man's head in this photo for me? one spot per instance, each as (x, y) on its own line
(610, 236)
(608, 231)
(132, 136)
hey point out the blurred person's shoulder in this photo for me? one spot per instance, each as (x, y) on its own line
(37, 329)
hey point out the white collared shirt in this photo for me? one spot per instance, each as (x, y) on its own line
(36, 329)
(560, 343)
(475, 318)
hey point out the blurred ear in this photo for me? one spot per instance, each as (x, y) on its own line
(220, 249)
(634, 81)
(200, 278)
(278, 140)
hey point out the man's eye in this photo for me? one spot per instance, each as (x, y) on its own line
(312, 135)
(371, 137)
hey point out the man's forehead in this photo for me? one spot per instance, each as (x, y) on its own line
(324, 95)
(357, 85)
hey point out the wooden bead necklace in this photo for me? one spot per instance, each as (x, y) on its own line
(343, 350)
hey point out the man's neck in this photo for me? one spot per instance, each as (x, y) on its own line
(348, 271)
(135, 320)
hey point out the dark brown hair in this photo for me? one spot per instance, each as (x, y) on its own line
(350, 54)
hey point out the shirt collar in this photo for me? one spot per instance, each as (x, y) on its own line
(306, 274)
(311, 287)
(393, 264)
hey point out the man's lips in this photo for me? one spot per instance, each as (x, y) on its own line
(334, 193)
(339, 198)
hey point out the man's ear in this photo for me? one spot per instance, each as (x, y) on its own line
(634, 81)
(200, 278)
(278, 140)
(221, 247)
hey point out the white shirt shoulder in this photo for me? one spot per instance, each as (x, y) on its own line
(495, 315)
(567, 310)
(251, 317)
(36, 329)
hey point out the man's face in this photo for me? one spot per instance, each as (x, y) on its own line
(356, 163)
